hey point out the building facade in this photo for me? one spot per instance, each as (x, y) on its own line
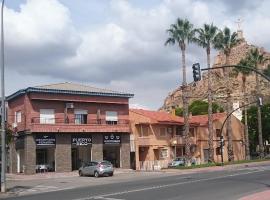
(159, 138)
(60, 126)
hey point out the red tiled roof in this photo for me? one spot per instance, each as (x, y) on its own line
(159, 116)
(203, 119)
(163, 117)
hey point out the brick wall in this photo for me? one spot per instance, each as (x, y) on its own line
(63, 153)
(125, 151)
(30, 154)
(97, 147)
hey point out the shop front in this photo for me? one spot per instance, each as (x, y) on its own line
(45, 152)
(81, 150)
(112, 148)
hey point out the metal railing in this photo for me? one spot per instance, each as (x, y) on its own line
(77, 121)
(153, 165)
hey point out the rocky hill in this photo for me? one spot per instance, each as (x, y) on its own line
(198, 90)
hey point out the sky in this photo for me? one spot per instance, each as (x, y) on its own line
(115, 44)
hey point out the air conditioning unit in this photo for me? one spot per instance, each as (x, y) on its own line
(69, 105)
(14, 125)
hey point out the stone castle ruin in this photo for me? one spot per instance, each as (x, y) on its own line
(198, 90)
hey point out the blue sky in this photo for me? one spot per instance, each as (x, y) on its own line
(116, 44)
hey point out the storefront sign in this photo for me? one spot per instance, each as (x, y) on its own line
(111, 139)
(81, 140)
(43, 140)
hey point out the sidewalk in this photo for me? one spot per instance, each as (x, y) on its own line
(53, 175)
(218, 168)
(264, 195)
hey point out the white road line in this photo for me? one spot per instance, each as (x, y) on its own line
(166, 185)
(104, 198)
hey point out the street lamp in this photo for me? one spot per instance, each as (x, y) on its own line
(3, 117)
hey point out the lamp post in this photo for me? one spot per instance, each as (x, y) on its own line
(3, 117)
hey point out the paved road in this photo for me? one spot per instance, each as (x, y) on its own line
(222, 185)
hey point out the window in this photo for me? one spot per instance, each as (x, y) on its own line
(180, 131)
(218, 151)
(47, 116)
(111, 117)
(163, 153)
(144, 131)
(18, 117)
(218, 133)
(42, 156)
(192, 132)
(80, 116)
(162, 132)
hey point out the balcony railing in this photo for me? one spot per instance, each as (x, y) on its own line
(77, 121)
(179, 140)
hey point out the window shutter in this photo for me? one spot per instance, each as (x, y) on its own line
(80, 112)
(47, 116)
(111, 116)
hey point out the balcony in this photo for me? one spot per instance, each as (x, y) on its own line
(179, 140)
(78, 125)
(144, 141)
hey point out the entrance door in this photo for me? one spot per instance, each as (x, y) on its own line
(74, 157)
(180, 151)
(132, 160)
(206, 155)
(112, 154)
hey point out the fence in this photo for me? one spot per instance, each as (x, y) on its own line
(153, 165)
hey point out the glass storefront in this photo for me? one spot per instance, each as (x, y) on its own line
(111, 148)
(81, 150)
(45, 152)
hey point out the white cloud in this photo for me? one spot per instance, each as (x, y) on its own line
(126, 52)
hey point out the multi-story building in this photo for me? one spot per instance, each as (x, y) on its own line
(159, 138)
(58, 127)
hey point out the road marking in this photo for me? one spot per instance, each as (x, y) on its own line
(104, 198)
(166, 185)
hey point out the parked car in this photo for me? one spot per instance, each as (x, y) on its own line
(180, 161)
(96, 169)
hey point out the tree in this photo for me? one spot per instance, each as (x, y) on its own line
(205, 38)
(199, 107)
(225, 41)
(256, 59)
(181, 33)
(244, 72)
(253, 125)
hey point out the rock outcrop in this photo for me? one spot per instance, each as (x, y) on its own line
(198, 90)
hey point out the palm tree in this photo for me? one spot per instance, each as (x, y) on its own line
(225, 41)
(245, 72)
(256, 59)
(205, 38)
(181, 33)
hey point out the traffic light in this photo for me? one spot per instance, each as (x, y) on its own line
(196, 72)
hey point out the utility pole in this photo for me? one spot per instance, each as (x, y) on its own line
(3, 113)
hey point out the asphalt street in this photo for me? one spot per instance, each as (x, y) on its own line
(223, 185)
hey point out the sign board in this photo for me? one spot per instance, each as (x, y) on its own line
(81, 140)
(44, 140)
(112, 139)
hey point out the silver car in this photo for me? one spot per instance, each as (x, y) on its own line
(96, 169)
